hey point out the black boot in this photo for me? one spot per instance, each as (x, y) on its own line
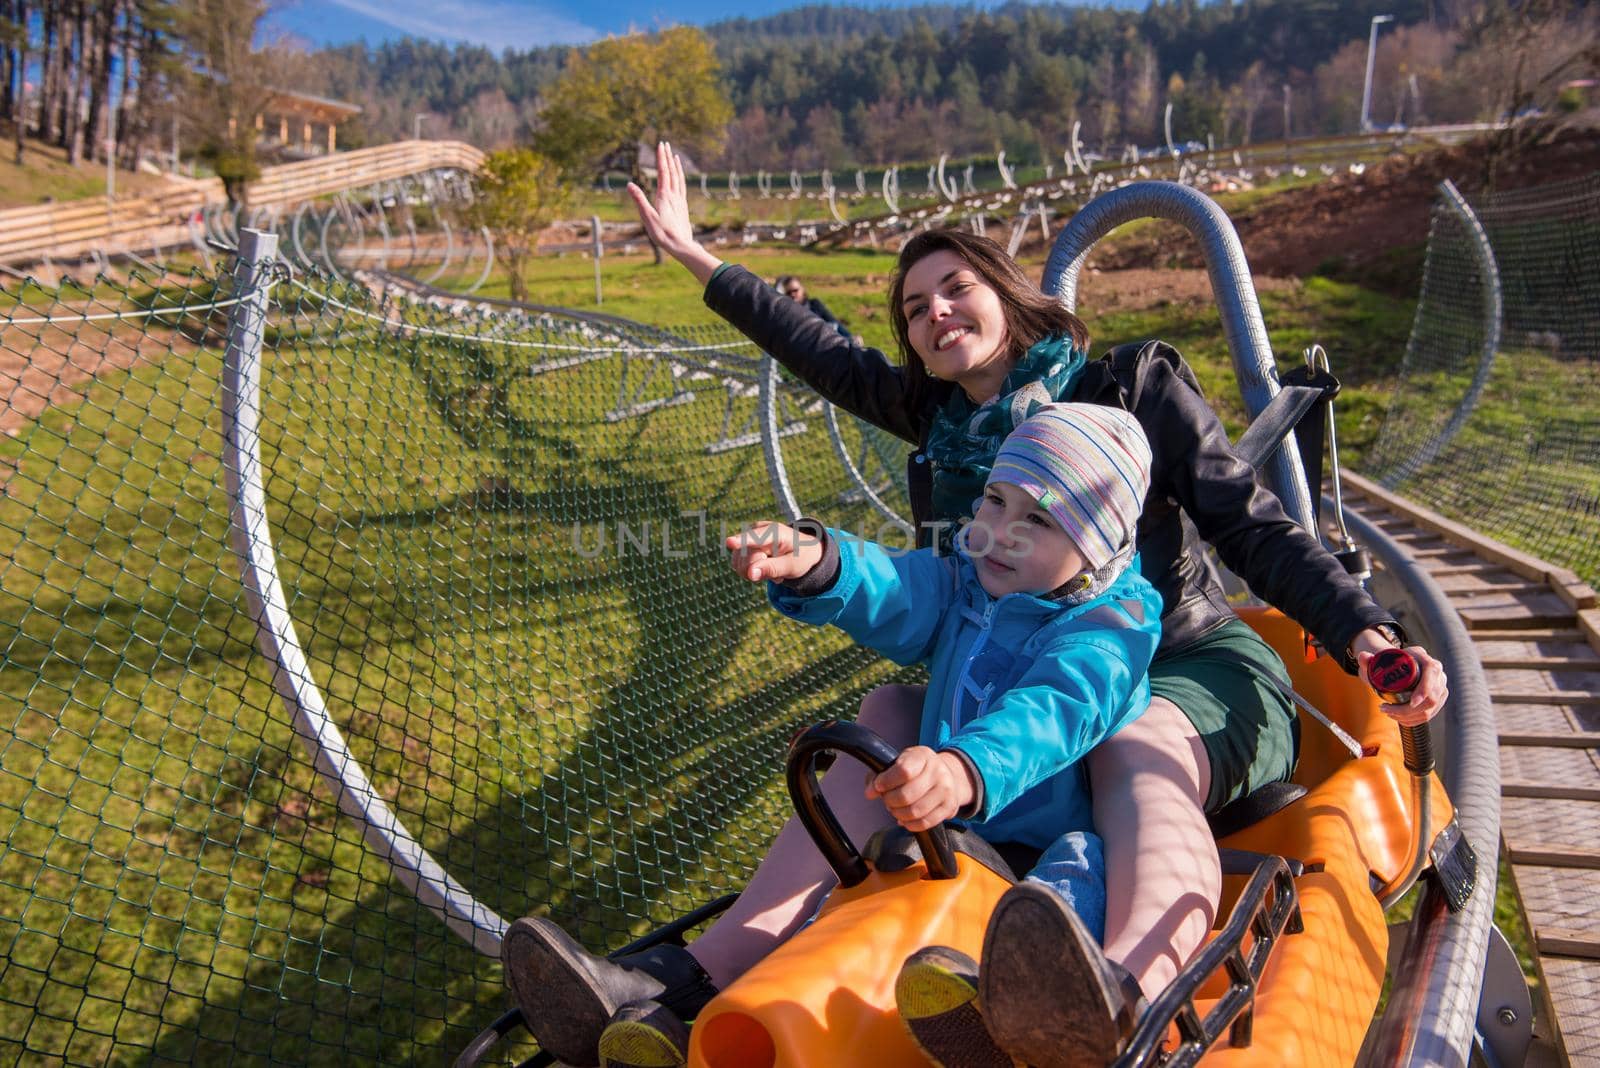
(1049, 995)
(568, 995)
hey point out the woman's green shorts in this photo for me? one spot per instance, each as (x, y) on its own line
(1223, 682)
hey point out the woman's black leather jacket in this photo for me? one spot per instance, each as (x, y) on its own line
(1201, 491)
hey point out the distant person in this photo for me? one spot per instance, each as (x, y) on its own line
(795, 290)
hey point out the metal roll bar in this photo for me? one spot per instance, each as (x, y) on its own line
(1230, 285)
(1432, 1010)
(1433, 1001)
(276, 635)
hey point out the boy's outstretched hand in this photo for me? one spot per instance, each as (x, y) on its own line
(924, 787)
(773, 552)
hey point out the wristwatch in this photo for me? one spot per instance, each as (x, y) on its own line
(1393, 632)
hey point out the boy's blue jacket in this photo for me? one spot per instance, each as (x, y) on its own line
(1023, 686)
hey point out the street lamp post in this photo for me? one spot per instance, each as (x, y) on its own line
(1372, 54)
(1286, 126)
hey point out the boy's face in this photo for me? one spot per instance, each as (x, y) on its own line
(1017, 547)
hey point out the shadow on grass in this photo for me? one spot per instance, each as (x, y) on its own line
(654, 797)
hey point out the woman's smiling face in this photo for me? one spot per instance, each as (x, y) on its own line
(954, 319)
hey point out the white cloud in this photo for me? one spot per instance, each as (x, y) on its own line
(496, 24)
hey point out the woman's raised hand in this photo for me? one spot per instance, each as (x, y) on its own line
(773, 552)
(667, 221)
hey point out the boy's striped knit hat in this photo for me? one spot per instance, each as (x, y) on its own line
(1088, 465)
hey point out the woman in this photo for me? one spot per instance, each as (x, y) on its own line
(973, 330)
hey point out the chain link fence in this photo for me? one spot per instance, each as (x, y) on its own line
(534, 683)
(1495, 420)
(498, 539)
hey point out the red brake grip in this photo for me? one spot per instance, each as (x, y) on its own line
(1394, 673)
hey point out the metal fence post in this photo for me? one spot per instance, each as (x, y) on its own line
(276, 637)
(599, 249)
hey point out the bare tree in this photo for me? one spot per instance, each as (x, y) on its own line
(227, 86)
(78, 60)
(1520, 57)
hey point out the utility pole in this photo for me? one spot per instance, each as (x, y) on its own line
(1372, 55)
(111, 145)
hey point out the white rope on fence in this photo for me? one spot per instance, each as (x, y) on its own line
(143, 313)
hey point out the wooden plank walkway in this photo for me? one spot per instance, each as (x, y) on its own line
(1537, 630)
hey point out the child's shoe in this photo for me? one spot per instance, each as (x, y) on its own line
(1049, 995)
(569, 995)
(644, 1034)
(937, 995)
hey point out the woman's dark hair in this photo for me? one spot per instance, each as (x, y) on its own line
(1029, 314)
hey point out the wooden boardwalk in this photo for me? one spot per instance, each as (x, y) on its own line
(1537, 630)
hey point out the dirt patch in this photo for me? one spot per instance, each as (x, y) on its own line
(561, 234)
(1370, 227)
(1135, 289)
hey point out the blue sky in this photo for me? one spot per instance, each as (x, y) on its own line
(500, 24)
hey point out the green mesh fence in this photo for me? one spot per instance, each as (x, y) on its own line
(1496, 418)
(499, 542)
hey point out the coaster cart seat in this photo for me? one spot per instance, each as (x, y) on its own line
(1292, 977)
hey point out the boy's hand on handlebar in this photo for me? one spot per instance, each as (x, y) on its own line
(1431, 691)
(923, 788)
(667, 221)
(773, 552)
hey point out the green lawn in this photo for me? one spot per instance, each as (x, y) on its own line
(44, 176)
(1525, 468)
(597, 738)
(853, 283)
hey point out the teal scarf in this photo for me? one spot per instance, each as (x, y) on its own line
(965, 437)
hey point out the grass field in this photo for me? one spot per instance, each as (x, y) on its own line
(596, 737)
(565, 719)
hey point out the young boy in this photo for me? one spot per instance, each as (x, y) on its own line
(1037, 633)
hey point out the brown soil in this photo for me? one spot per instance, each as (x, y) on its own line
(45, 365)
(1138, 288)
(1370, 227)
